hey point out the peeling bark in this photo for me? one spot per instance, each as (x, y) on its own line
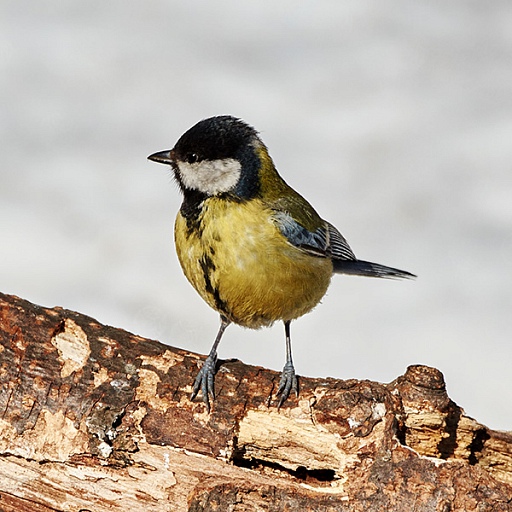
(94, 418)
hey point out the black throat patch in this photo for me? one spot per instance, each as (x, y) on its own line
(191, 208)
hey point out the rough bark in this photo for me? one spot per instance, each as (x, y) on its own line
(94, 418)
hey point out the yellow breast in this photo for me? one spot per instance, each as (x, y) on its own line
(243, 267)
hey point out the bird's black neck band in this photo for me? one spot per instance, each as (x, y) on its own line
(191, 205)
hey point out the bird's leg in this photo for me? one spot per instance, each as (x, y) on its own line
(288, 380)
(205, 380)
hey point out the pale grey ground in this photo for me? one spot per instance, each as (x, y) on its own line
(393, 118)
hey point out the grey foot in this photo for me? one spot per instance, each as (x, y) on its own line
(205, 381)
(287, 384)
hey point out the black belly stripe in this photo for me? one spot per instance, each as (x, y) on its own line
(208, 266)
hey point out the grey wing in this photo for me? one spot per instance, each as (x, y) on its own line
(325, 241)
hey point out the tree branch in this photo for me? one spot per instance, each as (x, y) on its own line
(95, 418)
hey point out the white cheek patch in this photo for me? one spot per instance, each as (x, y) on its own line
(210, 176)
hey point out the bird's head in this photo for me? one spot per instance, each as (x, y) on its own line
(218, 155)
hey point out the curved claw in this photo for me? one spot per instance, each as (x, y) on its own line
(205, 381)
(287, 384)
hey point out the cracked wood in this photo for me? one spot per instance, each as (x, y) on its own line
(108, 414)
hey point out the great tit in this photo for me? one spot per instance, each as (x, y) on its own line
(253, 248)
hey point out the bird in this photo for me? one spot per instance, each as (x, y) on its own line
(253, 248)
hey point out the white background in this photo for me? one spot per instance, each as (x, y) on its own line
(394, 119)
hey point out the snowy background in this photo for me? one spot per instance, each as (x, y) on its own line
(394, 119)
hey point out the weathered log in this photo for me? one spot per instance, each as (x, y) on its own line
(93, 418)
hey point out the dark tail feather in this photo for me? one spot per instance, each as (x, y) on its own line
(366, 268)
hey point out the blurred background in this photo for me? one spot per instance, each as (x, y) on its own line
(393, 119)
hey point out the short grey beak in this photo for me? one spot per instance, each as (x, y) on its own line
(162, 157)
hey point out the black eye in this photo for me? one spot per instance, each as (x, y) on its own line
(192, 158)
